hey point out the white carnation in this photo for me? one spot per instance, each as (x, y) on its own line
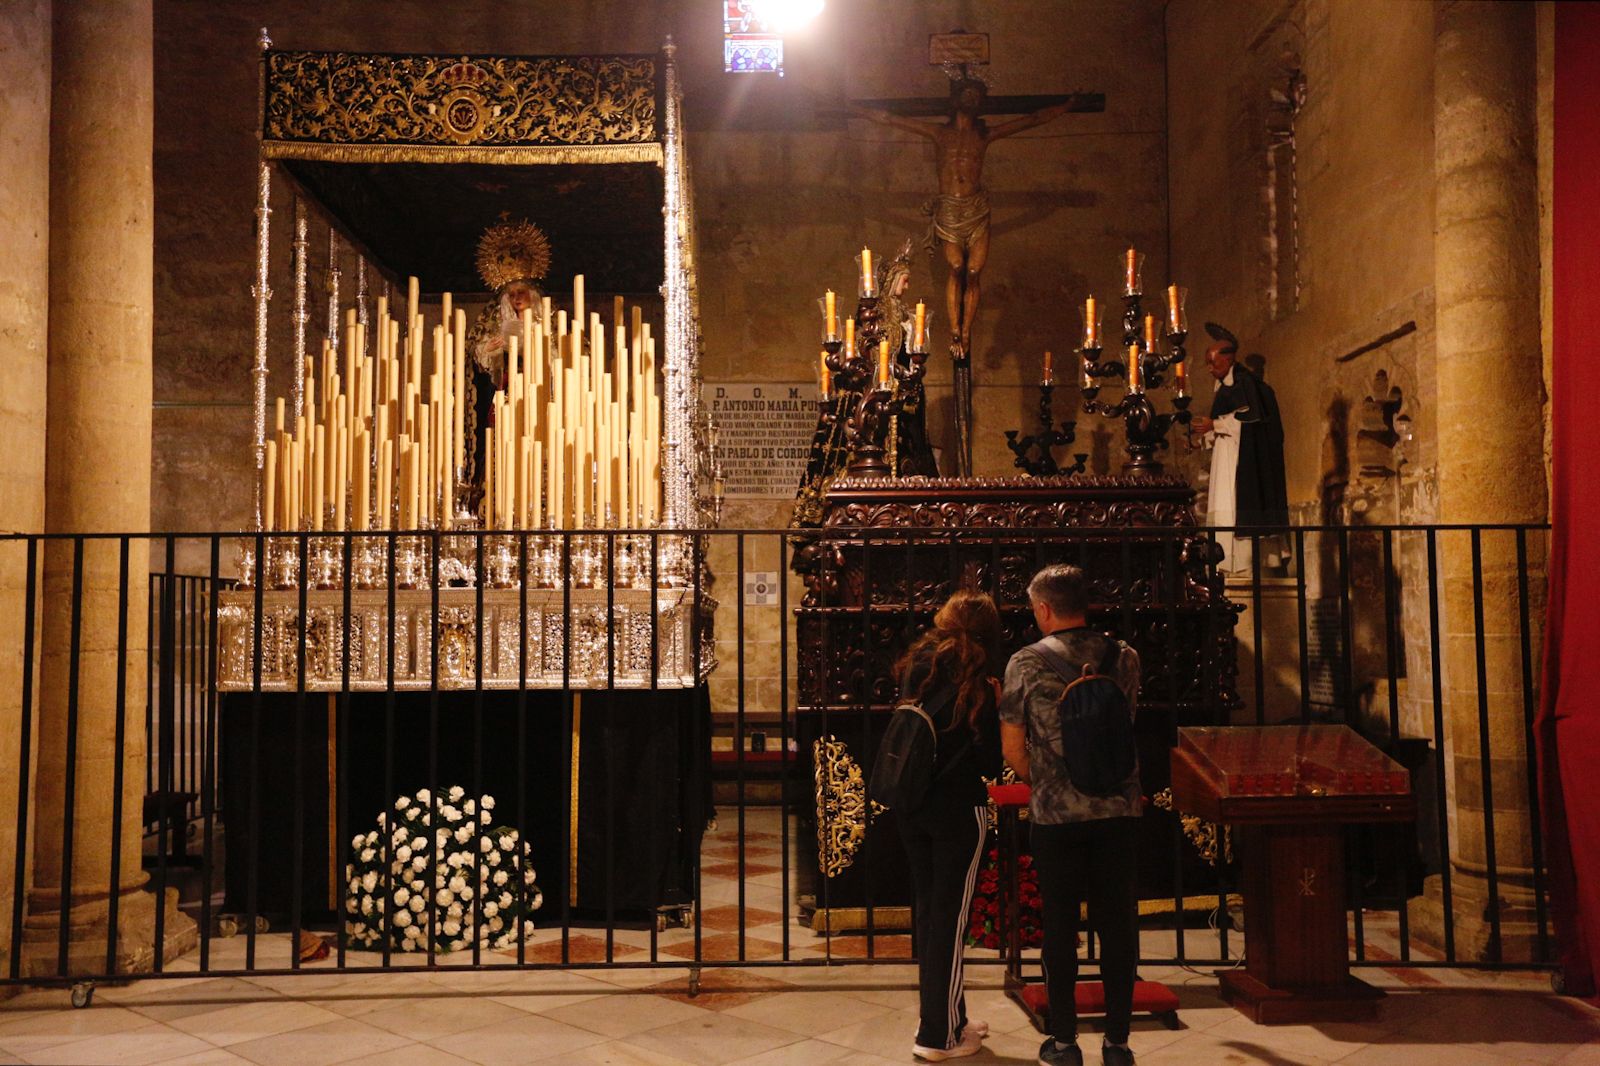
(423, 795)
(416, 886)
(402, 803)
(494, 858)
(357, 842)
(402, 854)
(442, 835)
(367, 854)
(485, 844)
(419, 863)
(350, 904)
(488, 803)
(456, 793)
(402, 918)
(466, 893)
(454, 911)
(484, 817)
(370, 881)
(443, 897)
(400, 834)
(490, 909)
(468, 807)
(500, 876)
(457, 884)
(464, 834)
(416, 904)
(366, 905)
(452, 928)
(505, 899)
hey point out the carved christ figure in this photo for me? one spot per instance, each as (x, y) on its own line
(960, 213)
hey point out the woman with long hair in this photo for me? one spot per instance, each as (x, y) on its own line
(950, 671)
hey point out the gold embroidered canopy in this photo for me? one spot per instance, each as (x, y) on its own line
(350, 107)
(363, 134)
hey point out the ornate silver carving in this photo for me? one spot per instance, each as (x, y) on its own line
(302, 316)
(261, 293)
(333, 290)
(618, 655)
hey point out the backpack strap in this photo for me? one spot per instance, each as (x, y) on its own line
(1071, 672)
(1113, 655)
(935, 707)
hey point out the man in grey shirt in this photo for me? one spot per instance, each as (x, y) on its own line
(1084, 847)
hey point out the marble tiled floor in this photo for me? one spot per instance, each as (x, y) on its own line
(810, 1012)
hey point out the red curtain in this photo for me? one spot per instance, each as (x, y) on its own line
(1568, 733)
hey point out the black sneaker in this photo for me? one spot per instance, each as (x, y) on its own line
(1116, 1055)
(1052, 1054)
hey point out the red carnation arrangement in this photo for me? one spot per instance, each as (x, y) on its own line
(986, 926)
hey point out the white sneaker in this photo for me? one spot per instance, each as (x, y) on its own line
(970, 1044)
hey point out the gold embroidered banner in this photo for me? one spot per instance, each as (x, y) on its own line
(456, 101)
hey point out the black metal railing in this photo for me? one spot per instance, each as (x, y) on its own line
(298, 686)
(178, 708)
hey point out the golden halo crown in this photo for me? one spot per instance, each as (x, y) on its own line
(512, 251)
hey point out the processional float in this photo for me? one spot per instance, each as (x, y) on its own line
(556, 551)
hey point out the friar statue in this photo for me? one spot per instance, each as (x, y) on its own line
(512, 258)
(1245, 435)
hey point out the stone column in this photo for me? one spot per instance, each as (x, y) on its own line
(1490, 442)
(97, 479)
(24, 300)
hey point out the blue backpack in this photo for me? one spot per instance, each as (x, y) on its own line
(1097, 742)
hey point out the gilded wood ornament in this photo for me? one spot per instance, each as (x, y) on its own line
(842, 805)
(1199, 832)
(343, 98)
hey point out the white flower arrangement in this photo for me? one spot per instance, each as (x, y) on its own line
(388, 893)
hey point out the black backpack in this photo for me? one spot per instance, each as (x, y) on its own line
(1097, 742)
(902, 772)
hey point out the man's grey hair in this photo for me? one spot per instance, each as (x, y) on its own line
(1062, 588)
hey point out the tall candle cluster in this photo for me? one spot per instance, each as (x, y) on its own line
(573, 441)
(1176, 327)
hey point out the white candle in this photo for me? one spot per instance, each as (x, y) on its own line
(269, 482)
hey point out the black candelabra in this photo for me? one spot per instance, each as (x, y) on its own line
(863, 399)
(1142, 368)
(1035, 451)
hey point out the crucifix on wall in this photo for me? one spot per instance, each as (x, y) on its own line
(959, 214)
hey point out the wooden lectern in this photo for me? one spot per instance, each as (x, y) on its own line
(1290, 791)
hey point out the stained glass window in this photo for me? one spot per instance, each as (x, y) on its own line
(752, 42)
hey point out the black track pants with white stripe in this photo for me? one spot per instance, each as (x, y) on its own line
(945, 848)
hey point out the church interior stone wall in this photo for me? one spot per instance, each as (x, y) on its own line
(24, 302)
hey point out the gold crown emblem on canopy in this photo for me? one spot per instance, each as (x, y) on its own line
(512, 251)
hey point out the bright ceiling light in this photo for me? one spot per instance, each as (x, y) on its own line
(784, 16)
